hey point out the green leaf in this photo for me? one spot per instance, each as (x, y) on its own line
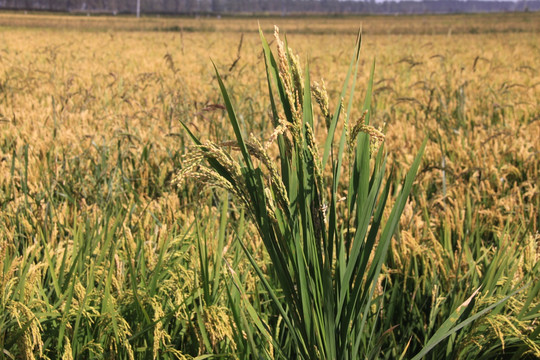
(449, 327)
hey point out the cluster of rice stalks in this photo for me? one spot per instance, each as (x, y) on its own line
(103, 256)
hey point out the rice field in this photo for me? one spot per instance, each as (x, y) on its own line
(279, 235)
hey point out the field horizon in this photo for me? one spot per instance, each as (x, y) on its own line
(427, 24)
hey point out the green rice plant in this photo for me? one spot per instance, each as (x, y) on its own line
(326, 254)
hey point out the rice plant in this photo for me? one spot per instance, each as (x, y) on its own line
(326, 236)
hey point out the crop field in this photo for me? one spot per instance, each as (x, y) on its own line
(141, 217)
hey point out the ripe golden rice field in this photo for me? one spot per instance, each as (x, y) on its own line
(103, 255)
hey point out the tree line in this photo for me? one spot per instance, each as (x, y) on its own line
(194, 7)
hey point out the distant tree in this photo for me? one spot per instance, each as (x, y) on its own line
(215, 8)
(285, 7)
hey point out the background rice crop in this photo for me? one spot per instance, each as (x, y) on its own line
(90, 141)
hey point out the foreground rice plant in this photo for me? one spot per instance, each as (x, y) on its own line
(326, 253)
